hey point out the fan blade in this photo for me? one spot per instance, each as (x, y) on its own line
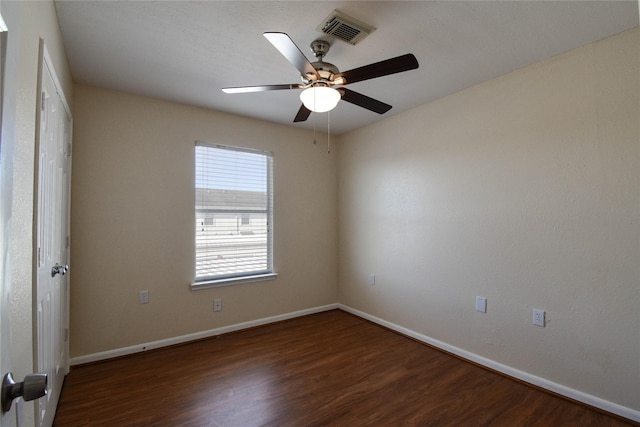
(294, 55)
(364, 101)
(383, 68)
(303, 114)
(248, 89)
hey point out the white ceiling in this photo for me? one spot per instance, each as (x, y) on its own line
(186, 51)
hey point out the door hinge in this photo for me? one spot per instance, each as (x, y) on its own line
(66, 243)
(43, 99)
(66, 334)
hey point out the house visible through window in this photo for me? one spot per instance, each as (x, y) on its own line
(233, 211)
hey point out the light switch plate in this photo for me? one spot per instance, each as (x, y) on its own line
(481, 304)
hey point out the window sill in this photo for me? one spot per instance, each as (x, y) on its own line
(206, 284)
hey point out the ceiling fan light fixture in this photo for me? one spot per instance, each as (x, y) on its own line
(320, 99)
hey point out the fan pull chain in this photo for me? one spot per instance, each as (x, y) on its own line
(314, 129)
(315, 119)
(328, 132)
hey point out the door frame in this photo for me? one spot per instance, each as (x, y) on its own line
(7, 138)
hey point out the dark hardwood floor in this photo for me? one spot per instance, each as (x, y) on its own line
(326, 369)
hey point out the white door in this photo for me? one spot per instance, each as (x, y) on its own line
(52, 240)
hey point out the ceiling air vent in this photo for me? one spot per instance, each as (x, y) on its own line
(345, 28)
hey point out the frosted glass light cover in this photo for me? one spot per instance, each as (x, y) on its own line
(320, 99)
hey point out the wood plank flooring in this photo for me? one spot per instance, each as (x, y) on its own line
(326, 369)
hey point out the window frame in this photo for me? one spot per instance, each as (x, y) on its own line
(269, 273)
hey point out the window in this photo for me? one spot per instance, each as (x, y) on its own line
(234, 186)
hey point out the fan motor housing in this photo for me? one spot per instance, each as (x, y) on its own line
(325, 66)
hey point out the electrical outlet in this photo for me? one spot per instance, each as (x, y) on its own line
(372, 279)
(217, 304)
(143, 297)
(481, 304)
(538, 317)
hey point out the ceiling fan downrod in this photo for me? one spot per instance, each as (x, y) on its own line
(326, 71)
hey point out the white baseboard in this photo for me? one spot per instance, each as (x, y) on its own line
(579, 396)
(95, 357)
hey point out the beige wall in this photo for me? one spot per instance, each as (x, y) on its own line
(133, 217)
(525, 190)
(28, 22)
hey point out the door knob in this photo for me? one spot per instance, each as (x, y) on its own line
(59, 269)
(33, 387)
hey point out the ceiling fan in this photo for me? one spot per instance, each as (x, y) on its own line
(323, 83)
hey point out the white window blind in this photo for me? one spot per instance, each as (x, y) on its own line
(233, 212)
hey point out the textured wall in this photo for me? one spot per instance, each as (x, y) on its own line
(525, 190)
(133, 217)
